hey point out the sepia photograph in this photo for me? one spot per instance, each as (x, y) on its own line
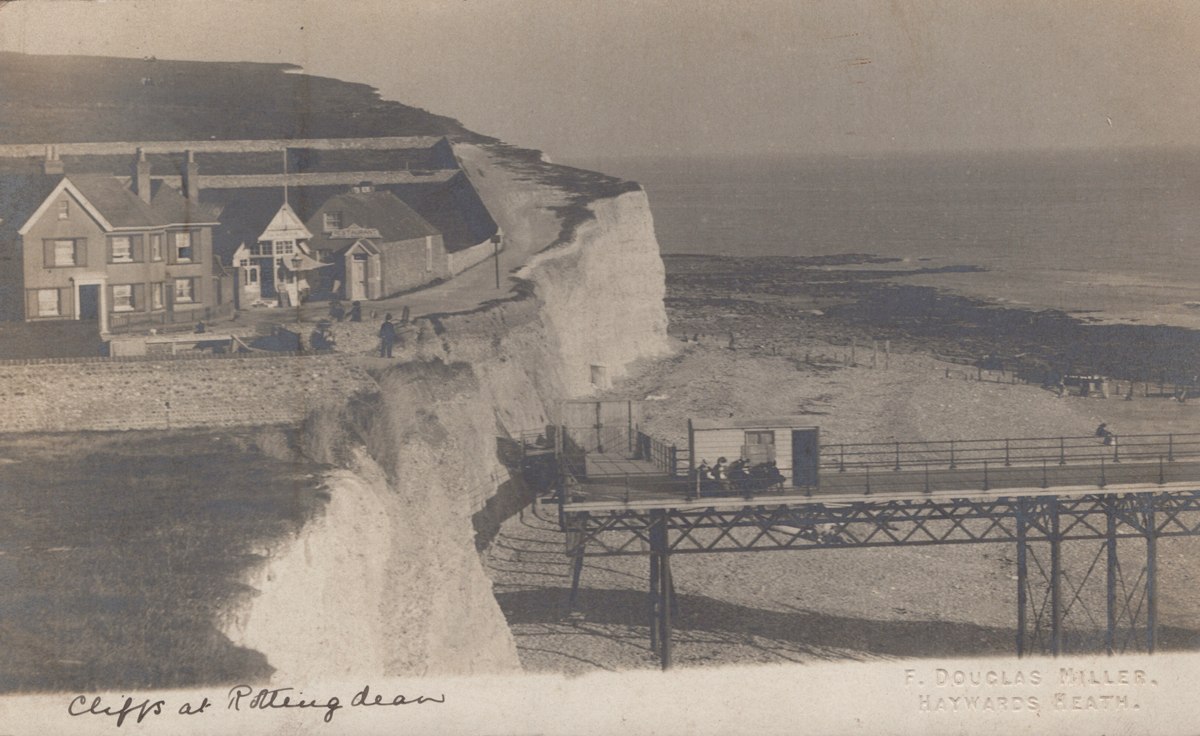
(654, 366)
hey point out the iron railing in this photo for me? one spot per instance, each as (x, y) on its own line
(1024, 451)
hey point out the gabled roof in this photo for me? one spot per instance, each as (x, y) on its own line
(246, 213)
(454, 208)
(173, 207)
(115, 202)
(285, 225)
(382, 211)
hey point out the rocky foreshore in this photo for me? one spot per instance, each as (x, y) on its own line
(757, 337)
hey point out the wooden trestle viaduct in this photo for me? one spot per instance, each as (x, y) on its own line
(1084, 514)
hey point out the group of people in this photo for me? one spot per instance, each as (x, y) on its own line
(337, 313)
(737, 476)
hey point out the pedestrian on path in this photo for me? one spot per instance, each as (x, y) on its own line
(387, 337)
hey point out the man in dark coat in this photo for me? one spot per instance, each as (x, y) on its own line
(387, 337)
(356, 312)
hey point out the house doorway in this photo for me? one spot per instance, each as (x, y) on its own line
(267, 278)
(358, 277)
(89, 301)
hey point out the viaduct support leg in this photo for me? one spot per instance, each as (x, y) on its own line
(655, 568)
(662, 591)
(576, 572)
(665, 605)
(1151, 576)
(1111, 590)
(1022, 578)
(1056, 622)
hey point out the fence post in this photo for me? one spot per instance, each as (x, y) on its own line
(1116, 449)
(1062, 451)
(674, 467)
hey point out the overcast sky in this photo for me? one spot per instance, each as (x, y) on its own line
(581, 79)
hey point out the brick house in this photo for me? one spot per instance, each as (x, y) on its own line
(91, 246)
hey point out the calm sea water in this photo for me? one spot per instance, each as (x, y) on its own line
(1113, 233)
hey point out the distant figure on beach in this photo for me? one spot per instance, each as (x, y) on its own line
(1102, 431)
(200, 328)
(336, 312)
(356, 312)
(387, 337)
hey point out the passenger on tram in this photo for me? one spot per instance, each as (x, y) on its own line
(720, 473)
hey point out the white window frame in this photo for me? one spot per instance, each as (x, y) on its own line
(156, 253)
(59, 245)
(157, 303)
(187, 296)
(185, 238)
(64, 209)
(122, 296)
(114, 256)
(43, 295)
(333, 221)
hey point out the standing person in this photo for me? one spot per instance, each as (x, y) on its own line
(356, 312)
(387, 336)
(335, 311)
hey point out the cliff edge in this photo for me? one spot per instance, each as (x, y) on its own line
(390, 579)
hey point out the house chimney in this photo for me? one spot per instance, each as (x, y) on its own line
(141, 179)
(191, 178)
(53, 164)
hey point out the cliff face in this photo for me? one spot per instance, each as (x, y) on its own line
(389, 581)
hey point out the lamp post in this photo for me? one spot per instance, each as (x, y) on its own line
(297, 261)
(496, 251)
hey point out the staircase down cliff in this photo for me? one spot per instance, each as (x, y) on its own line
(389, 582)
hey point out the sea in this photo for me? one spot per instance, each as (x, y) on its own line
(1113, 236)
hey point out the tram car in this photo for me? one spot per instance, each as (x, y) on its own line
(738, 455)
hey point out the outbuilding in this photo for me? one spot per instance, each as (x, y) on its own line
(790, 442)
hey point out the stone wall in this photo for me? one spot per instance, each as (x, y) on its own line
(106, 394)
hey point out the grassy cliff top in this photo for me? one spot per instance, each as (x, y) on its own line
(67, 99)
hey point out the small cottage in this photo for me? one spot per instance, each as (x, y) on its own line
(379, 246)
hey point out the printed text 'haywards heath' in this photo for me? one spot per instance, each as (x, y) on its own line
(1014, 691)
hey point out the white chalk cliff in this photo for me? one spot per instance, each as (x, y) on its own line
(388, 581)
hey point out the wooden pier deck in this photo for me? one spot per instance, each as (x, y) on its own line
(617, 486)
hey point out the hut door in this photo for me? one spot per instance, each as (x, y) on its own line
(612, 427)
(358, 277)
(805, 457)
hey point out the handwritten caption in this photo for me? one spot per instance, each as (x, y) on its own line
(241, 698)
(1026, 691)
